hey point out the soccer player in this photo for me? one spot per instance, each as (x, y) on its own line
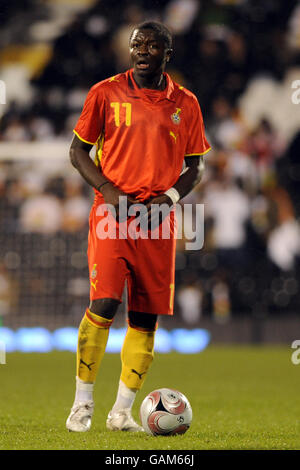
(145, 127)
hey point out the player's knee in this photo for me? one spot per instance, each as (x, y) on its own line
(142, 320)
(106, 308)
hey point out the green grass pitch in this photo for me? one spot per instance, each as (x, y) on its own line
(242, 398)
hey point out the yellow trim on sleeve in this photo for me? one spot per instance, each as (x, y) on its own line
(192, 154)
(83, 140)
(98, 156)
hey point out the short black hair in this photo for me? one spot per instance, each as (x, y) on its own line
(159, 28)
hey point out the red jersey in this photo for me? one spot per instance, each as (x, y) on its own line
(142, 135)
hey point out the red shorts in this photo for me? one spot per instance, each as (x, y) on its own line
(148, 265)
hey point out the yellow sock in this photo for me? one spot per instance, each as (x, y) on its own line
(92, 339)
(136, 356)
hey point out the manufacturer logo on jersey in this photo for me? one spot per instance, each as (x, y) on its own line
(93, 276)
(94, 272)
(175, 116)
(173, 135)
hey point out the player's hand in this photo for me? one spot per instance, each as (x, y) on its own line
(118, 199)
(156, 216)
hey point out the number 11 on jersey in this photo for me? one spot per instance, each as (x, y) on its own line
(116, 106)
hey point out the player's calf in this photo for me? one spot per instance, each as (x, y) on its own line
(92, 339)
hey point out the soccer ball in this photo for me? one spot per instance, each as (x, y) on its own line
(165, 412)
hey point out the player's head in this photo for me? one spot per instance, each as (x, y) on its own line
(150, 46)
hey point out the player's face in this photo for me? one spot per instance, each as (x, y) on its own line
(148, 53)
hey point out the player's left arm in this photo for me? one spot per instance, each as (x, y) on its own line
(189, 178)
(191, 175)
(197, 146)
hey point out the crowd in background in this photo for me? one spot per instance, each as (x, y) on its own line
(250, 261)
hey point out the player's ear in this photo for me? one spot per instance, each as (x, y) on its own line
(168, 54)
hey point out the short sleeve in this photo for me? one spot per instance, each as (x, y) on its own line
(197, 143)
(91, 121)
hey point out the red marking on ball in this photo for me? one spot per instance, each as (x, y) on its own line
(153, 422)
(155, 397)
(180, 430)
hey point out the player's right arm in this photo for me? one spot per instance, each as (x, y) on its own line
(80, 159)
(87, 131)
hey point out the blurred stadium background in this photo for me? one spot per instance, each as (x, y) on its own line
(241, 58)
